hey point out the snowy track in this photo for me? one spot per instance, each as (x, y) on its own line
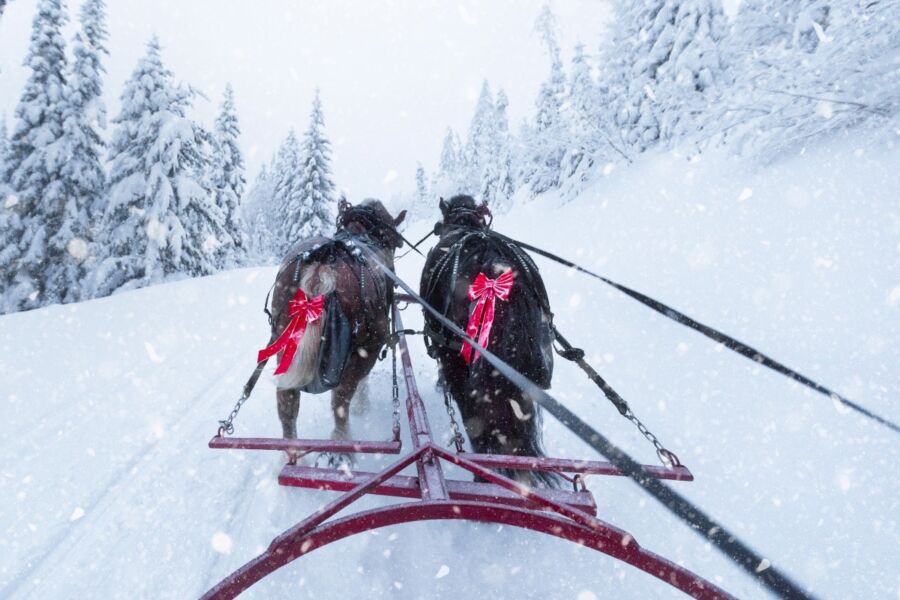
(108, 490)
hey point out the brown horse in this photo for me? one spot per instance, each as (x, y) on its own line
(340, 346)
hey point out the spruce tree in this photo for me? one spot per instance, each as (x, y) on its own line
(478, 152)
(286, 170)
(34, 163)
(4, 153)
(582, 114)
(547, 144)
(311, 199)
(764, 23)
(208, 245)
(497, 183)
(448, 178)
(161, 216)
(668, 52)
(255, 213)
(422, 206)
(82, 174)
(8, 216)
(228, 178)
(760, 23)
(505, 154)
(791, 90)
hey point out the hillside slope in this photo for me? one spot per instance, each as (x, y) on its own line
(107, 488)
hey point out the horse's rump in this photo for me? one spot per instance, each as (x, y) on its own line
(521, 333)
(325, 267)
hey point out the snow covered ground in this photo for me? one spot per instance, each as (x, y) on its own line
(107, 488)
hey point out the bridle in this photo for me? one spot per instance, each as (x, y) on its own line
(375, 225)
(477, 216)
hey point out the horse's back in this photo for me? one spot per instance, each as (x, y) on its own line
(329, 257)
(354, 315)
(521, 333)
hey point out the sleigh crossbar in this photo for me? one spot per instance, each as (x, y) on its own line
(402, 486)
(294, 445)
(564, 465)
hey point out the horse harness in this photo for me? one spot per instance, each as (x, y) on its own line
(349, 245)
(435, 337)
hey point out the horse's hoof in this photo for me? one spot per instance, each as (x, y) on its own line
(336, 460)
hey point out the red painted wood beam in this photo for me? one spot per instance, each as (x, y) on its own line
(564, 465)
(431, 475)
(402, 486)
(337, 446)
(601, 537)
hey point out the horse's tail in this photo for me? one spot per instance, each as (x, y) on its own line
(521, 333)
(520, 336)
(316, 279)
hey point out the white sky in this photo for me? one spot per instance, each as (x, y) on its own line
(393, 74)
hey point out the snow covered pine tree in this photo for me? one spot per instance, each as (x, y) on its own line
(82, 173)
(422, 206)
(310, 197)
(582, 115)
(285, 170)
(806, 69)
(666, 67)
(228, 179)
(447, 180)
(477, 153)
(34, 215)
(161, 218)
(4, 153)
(7, 201)
(255, 212)
(546, 142)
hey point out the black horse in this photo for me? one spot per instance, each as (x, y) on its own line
(498, 417)
(327, 287)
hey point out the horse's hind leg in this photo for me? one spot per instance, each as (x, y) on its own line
(503, 421)
(288, 409)
(340, 407)
(526, 435)
(360, 402)
(358, 368)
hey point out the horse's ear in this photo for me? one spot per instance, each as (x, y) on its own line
(400, 218)
(442, 204)
(343, 204)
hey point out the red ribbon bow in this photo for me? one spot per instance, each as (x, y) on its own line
(302, 311)
(485, 291)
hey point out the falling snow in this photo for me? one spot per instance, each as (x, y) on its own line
(742, 170)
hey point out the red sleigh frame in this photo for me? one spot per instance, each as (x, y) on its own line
(563, 514)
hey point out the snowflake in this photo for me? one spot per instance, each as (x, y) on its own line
(78, 248)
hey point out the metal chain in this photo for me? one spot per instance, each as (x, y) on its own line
(458, 440)
(667, 457)
(395, 386)
(227, 426)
